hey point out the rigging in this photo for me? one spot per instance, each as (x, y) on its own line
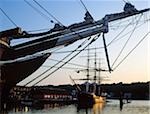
(126, 42)
(88, 17)
(38, 11)
(127, 33)
(84, 5)
(48, 12)
(93, 39)
(59, 52)
(55, 64)
(118, 35)
(70, 63)
(69, 68)
(131, 51)
(8, 17)
(57, 26)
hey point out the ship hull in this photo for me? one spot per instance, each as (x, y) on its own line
(14, 71)
(87, 99)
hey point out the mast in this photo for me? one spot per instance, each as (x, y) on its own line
(99, 73)
(99, 78)
(95, 65)
(88, 62)
(106, 53)
(95, 76)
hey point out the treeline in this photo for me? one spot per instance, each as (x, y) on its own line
(138, 90)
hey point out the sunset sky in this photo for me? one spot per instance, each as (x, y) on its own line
(135, 68)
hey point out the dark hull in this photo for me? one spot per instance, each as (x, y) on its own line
(15, 72)
(85, 99)
(12, 72)
(14, 67)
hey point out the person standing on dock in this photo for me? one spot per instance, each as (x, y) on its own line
(121, 100)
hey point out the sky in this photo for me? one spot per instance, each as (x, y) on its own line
(135, 68)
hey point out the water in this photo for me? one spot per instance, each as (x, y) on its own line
(112, 107)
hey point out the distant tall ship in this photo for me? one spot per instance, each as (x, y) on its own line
(92, 93)
(19, 61)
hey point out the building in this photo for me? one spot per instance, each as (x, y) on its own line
(46, 94)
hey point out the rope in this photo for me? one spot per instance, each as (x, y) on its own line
(38, 11)
(84, 5)
(126, 42)
(70, 63)
(59, 52)
(118, 35)
(54, 65)
(132, 50)
(8, 17)
(130, 31)
(54, 17)
(47, 12)
(123, 31)
(64, 63)
(115, 27)
(70, 68)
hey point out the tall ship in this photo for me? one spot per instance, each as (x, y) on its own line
(19, 61)
(90, 92)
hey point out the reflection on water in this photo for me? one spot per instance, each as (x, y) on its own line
(96, 109)
(112, 107)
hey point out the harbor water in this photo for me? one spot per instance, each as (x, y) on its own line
(111, 107)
